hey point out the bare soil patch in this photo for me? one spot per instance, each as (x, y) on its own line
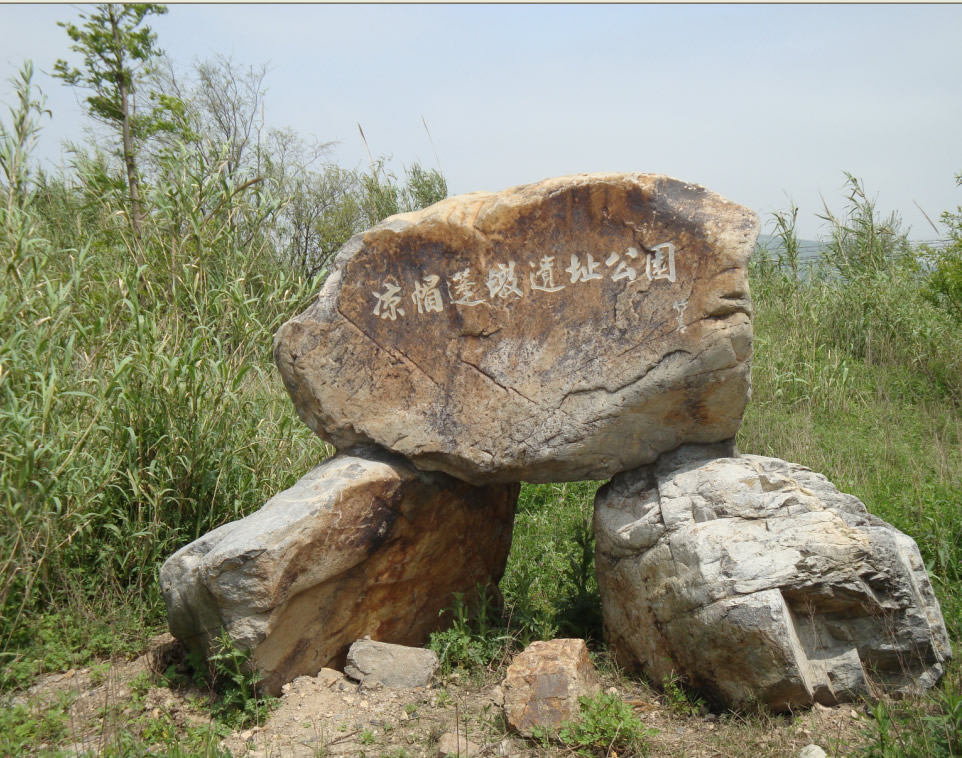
(332, 715)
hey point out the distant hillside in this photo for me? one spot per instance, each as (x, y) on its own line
(808, 249)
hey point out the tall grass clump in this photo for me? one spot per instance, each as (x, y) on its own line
(944, 285)
(138, 409)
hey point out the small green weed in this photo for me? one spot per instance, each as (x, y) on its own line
(162, 736)
(367, 737)
(678, 699)
(606, 725)
(231, 675)
(473, 640)
(139, 688)
(98, 673)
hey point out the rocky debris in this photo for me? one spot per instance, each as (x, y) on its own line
(364, 544)
(330, 715)
(758, 581)
(372, 662)
(543, 683)
(457, 745)
(558, 331)
(812, 751)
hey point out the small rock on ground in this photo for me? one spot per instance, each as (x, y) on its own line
(454, 744)
(369, 662)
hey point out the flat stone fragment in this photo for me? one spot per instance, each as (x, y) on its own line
(543, 683)
(373, 662)
(364, 544)
(762, 583)
(558, 331)
(457, 745)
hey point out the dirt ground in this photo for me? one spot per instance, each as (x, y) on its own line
(331, 715)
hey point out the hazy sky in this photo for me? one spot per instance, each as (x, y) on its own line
(760, 103)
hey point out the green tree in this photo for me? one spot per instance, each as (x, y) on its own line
(116, 47)
(424, 188)
(321, 208)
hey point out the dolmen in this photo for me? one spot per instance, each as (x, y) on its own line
(586, 327)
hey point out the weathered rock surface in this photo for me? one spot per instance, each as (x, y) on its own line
(543, 683)
(457, 745)
(558, 331)
(364, 544)
(373, 662)
(759, 581)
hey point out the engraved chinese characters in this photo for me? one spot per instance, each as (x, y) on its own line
(502, 281)
(559, 331)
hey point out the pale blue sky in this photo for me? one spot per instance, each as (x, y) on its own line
(756, 102)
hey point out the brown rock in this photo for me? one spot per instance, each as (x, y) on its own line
(362, 545)
(558, 331)
(543, 684)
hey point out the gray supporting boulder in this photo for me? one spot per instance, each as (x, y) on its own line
(760, 582)
(365, 544)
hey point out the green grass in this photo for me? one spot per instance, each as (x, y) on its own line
(549, 584)
(549, 587)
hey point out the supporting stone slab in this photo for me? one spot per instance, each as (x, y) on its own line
(759, 582)
(365, 544)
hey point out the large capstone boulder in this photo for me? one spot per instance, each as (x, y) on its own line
(559, 331)
(759, 582)
(365, 544)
